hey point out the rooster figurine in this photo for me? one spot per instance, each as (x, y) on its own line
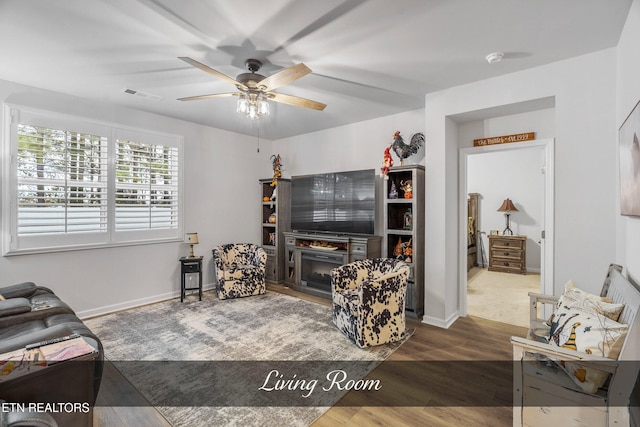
(403, 150)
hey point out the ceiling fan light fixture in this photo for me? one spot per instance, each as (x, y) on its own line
(255, 90)
(253, 104)
(242, 105)
(263, 106)
(252, 113)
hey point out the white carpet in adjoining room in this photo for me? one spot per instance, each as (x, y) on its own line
(502, 297)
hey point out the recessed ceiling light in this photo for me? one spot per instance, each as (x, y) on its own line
(494, 57)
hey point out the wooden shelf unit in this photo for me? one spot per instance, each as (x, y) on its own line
(272, 238)
(398, 232)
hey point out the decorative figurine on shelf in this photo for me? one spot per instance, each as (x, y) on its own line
(407, 188)
(407, 251)
(398, 251)
(408, 220)
(277, 169)
(393, 192)
(272, 238)
(272, 218)
(387, 161)
(403, 150)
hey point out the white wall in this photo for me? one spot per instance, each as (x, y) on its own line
(514, 174)
(628, 94)
(585, 159)
(222, 204)
(350, 147)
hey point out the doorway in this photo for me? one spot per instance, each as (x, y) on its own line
(534, 219)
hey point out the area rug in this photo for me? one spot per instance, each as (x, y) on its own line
(212, 349)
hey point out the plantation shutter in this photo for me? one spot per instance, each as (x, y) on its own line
(75, 184)
(147, 178)
(62, 181)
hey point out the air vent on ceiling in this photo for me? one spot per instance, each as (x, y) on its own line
(144, 95)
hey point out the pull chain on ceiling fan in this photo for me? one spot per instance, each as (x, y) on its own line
(255, 90)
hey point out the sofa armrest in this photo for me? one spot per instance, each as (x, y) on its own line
(19, 290)
(22, 340)
(13, 306)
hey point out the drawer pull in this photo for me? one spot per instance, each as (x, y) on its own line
(507, 253)
(506, 243)
(505, 263)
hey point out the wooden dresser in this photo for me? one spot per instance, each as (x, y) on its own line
(508, 254)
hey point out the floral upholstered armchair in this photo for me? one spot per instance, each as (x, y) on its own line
(240, 270)
(369, 300)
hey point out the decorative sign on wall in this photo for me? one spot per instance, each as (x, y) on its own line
(518, 137)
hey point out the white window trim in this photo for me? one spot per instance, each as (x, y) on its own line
(8, 148)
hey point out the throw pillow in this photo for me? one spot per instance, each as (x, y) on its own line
(1, 297)
(589, 332)
(576, 297)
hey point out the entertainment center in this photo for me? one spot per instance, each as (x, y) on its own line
(318, 222)
(312, 256)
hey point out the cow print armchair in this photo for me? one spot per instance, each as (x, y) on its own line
(240, 270)
(369, 300)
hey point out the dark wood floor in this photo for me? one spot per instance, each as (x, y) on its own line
(469, 339)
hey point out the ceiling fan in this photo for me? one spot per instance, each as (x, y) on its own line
(255, 89)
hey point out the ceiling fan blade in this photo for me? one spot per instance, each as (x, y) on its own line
(284, 77)
(296, 101)
(211, 71)
(213, 95)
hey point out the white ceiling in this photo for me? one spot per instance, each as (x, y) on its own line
(370, 58)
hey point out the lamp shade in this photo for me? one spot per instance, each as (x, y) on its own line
(507, 206)
(191, 238)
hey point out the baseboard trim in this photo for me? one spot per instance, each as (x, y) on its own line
(441, 323)
(108, 309)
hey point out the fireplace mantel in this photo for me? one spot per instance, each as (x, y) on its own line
(311, 256)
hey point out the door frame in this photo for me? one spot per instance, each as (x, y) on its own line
(547, 246)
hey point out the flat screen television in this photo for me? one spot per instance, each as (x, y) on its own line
(336, 202)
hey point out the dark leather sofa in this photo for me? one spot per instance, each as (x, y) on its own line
(31, 314)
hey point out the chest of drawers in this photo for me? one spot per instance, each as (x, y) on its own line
(508, 254)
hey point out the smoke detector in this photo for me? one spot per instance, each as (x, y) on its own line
(494, 57)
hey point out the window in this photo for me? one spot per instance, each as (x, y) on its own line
(74, 184)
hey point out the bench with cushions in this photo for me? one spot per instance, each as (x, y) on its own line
(581, 364)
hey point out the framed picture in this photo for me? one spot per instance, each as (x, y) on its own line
(629, 147)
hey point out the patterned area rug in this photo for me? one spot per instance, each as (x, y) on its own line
(260, 329)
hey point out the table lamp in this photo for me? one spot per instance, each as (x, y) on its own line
(191, 239)
(507, 207)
